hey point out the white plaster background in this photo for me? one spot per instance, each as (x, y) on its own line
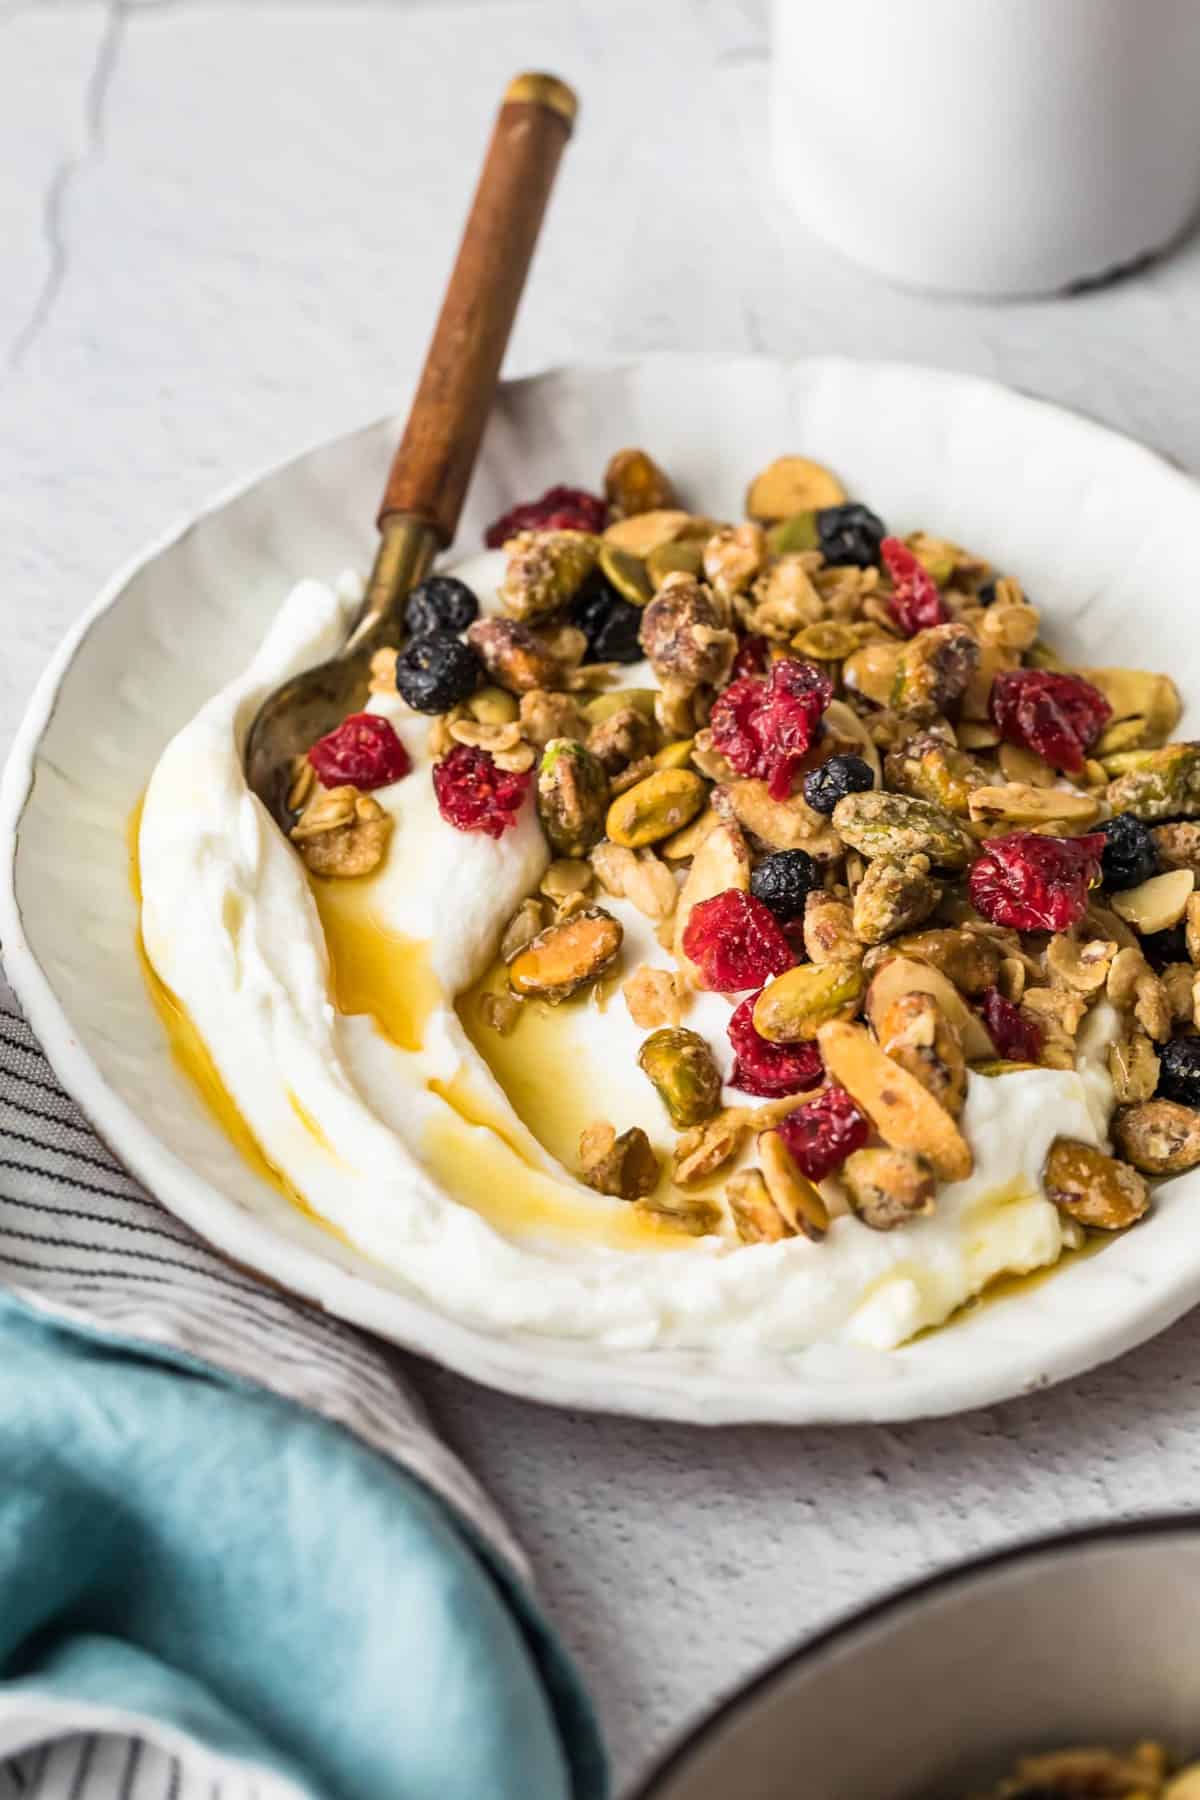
(223, 231)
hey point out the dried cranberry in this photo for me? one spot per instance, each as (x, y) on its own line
(474, 795)
(761, 1067)
(1035, 883)
(735, 941)
(754, 654)
(914, 602)
(1059, 716)
(766, 728)
(821, 1134)
(1017, 1039)
(364, 752)
(559, 509)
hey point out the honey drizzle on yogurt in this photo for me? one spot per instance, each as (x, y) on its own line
(470, 1149)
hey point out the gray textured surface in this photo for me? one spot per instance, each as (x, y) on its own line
(223, 228)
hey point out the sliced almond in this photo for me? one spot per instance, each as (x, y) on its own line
(792, 484)
(905, 975)
(1020, 803)
(797, 1198)
(1157, 904)
(721, 862)
(645, 532)
(903, 1112)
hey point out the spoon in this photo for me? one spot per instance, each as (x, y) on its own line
(432, 466)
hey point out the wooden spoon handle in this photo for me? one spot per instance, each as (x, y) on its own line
(431, 469)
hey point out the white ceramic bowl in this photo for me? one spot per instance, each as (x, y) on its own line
(934, 1693)
(1088, 520)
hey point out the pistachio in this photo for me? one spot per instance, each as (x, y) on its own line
(1017, 763)
(894, 894)
(685, 557)
(905, 975)
(572, 797)
(796, 1197)
(1158, 784)
(624, 1166)
(685, 633)
(676, 755)
(755, 1215)
(1133, 1066)
(680, 1066)
(685, 843)
(492, 706)
(626, 573)
(888, 1187)
(634, 483)
(903, 1112)
(1019, 804)
(797, 532)
(642, 533)
(513, 656)
(1156, 904)
(656, 808)
(1137, 695)
(826, 641)
(733, 558)
(545, 568)
(797, 1003)
(970, 959)
(871, 671)
(934, 670)
(1092, 1188)
(829, 930)
(779, 824)
(916, 1033)
(928, 768)
(1160, 1137)
(722, 861)
(894, 825)
(566, 956)
(792, 484)
(602, 706)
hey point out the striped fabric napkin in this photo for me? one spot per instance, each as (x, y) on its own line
(82, 1246)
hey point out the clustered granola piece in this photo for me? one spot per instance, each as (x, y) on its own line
(860, 796)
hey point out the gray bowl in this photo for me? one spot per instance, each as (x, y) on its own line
(1090, 1638)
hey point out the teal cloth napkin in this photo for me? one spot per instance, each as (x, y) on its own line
(193, 1549)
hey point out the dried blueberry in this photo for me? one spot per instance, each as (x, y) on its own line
(1163, 947)
(784, 881)
(850, 534)
(833, 780)
(1129, 854)
(436, 671)
(440, 603)
(1179, 1071)
(609, 623)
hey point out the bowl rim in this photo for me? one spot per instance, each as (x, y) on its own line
(909, 1596)
(574, 1373)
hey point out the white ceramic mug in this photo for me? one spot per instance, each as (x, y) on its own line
(989, 146)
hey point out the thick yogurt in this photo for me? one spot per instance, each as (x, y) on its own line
(383, 1114)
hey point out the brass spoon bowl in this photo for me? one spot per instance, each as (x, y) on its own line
(432, 466)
